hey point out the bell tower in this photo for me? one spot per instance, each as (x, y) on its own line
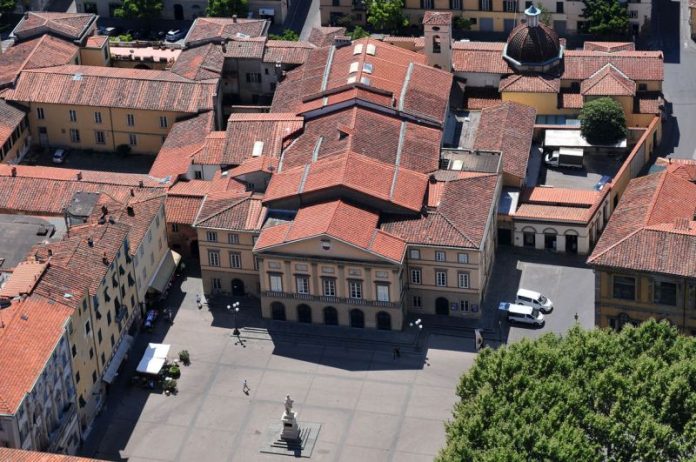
(437, 27)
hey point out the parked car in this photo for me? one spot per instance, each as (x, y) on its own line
(522, 314)
(174, 35)
(565, 157)
(535, 300)
(108, 31)
(59, 156)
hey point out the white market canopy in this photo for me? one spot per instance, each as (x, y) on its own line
(153, 359)
(572, 139)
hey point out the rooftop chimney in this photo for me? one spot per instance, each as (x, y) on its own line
(90, 241)
(234, 18)
(105, 259)
(50, 252)
(79, 176)
(132, 192)
(130, 211)
(141, 184)
(14, 171)
(104, 210)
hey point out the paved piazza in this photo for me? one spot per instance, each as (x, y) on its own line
(371, 406)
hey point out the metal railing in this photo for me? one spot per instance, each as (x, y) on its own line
(331, 300)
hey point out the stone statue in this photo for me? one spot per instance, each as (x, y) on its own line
(290, 430)
(288, 404)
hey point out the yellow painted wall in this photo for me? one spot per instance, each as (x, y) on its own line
(150, 252)
(12, 149)
(544, 103)
(248, 274)
(95, 56)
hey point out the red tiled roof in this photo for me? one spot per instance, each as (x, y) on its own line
(378, 180)
(286, 52)
(381, 136)
(609, 47)
(265, 164)
(484, 57)
(44, 51)
(244, 131)
(10, 118)
(324, 36)
(608, 81)
(653, 227)
(22, 279)
(182, 209)
(561, 196)
(31, 331)
(250, 48)
(437, 18)
(213, 150)
(96, 41)
(530, 83)
(185, 139)
(72, 26)
(190, 188)
(554, 213)
(507, 128)
(340, 220)
(232, 211)
(636, 65)
(206, 30)
(649, 103)
(570, 100)
(18, 455)
(113, 87)
(481, 98)
(453, 223)
(200, 63)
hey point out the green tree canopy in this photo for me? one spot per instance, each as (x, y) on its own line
(228, 8)
(603, 122)
(358, 33)
(605, 17)
(139, 9)
(588, 396)
(386, 15)
(288, 34)
(7, 6)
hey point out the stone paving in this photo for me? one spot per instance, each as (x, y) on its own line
(372, 407)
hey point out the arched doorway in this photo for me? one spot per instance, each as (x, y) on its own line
(550, 239)
(442, 306)
(330, 316)
(194, 249)
(178, 12)
(277, 311)
(383, 320)
(237, 287)
(357, 318)
(571, 238)
(304, 313)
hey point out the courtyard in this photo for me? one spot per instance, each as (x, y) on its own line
(93, 160)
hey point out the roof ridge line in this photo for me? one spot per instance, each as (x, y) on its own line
(224, 209)
(653, 201)
(327, 68)
(593, 257)
(407, 80)
(456, 228)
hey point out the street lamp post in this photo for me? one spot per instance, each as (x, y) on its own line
(419, 325)
(235, 305)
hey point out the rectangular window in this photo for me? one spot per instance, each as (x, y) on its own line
(441, 278)
(463, 280)
(355, 289)
(485, 5)
(175, 227)
(414, 254)
(132, 139)
(463, 258)
(276, 281)
(382, 292)
(464, 305)
(665, 293)
(73, 115)
(198, 175)
(213, 258)
(211, 236)
(88, 328)
(40, 113)
(624, 288)
(97, 117)
(256, 263)
(233, 238)
(426, 4)
(99, 137)
(642, 87)
(559, 7)
(455, 4)
(130, 120)
(510, 6)
(417, 302)
(329, 287)
(302, 284)
(416, 276)
(217, 284)
(440, 256)
(74, 135)
(253, 77)
(163, 122)
(235, 260)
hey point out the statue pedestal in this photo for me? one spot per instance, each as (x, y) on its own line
(290, 431)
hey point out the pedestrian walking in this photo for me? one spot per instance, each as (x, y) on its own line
(245, 387)
(396, 352)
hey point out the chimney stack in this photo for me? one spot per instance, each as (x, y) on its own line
(14, 171)
(79, 176)
(234, 18)
(141, 184)
(130, 211)
(90, 241)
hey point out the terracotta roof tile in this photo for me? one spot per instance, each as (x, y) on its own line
(200, 63)
(22, 279)
(206, 30)
(213, 151)
(72, 26)
(481, 98)
(530, 83)
(31, 332)
(251, 48)
(608, 81)
(507, 128)
(197, 188)
(561, 196)
(340, 220)
(96, 41)
(484, 57)
(268, 132)
(324, 36)
(10, 118)
(182, 209)
(233, 211)
(113, 87)
(567, 100)
(437, 18)
(45, 51)
(185, 139)
(636, 65)
(609, 47)
(18, 455)
(265, 164)
(286, 52)
(553, 213)
(649, 103)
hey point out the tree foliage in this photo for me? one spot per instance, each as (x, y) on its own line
(545, 15)
(139, 9)
(605, 17)
(461, 23)
(603, 122)
(358, 33)
(589, 396)
(386, 15)
(288, 34)
(7, 6)
(228, 8)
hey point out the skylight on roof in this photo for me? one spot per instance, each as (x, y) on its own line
(258, 149)
(353, 67)
(77, 76)
(365, 80)
(357, 49)
(371, 49)
(367, 68)
(352, 79)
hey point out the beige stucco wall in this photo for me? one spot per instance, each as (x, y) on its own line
(149, 254)
(225, 273)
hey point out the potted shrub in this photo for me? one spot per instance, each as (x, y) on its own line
(169, 386)
(174, 371)
(184, 357)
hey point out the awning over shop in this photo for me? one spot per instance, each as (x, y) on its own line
(153, 359)
(164, 271)
(112, 370)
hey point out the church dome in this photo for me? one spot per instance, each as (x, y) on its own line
(533, 44)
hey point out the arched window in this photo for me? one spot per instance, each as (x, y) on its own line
(304, 313)
(277, 311)
(383, 321)
(357, 318)
(330, 316)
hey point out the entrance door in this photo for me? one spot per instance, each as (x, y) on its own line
(550, 241)
(277, 311)
(304, 313)
(383, 320)
(504, 236)
(43, 137)
(357, 318)
(529, 239)
(442, 306)
(571, 243)
(237, 287)
(330, 316)
(486, 24)
(178, 12)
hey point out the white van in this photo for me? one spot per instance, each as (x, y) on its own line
(534, 299)
(522, 314)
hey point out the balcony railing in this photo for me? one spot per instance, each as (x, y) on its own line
(331, 300)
